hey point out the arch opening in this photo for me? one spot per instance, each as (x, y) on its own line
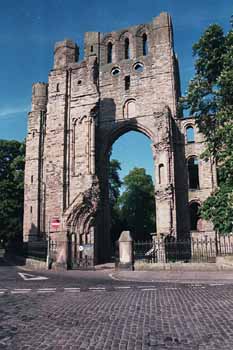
(127, 49)
(144, 45)
(131, 186)
(194, 215)
(109, 52)
(190, 137)
(193, 173)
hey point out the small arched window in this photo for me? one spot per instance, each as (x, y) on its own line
(190, 134)
(127, 49)
(194, 215)
(58, 87)
(161, 174)
(144, 45)
(109, 53)
(129, 109)
(193, 173)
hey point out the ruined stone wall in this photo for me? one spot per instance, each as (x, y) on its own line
(84, 109)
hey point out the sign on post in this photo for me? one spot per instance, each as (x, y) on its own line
(55, 223)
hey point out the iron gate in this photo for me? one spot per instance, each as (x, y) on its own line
(80, 256)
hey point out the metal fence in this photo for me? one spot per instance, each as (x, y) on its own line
(36, 250)
(80, 256)
(190, 250)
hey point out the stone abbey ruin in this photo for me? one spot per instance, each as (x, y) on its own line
(128, 80)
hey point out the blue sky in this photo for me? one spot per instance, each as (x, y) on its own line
(29, 29)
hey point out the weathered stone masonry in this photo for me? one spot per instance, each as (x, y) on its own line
(128, 80)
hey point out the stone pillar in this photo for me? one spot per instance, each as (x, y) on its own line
(164, 187)
(33, 189)
(125, 251)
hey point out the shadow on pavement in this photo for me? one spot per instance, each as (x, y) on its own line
(12, 261)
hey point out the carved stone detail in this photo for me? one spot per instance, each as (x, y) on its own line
(80, 216)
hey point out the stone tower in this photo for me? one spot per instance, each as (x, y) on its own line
(128, 80)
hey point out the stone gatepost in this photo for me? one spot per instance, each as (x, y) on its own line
(125, 251)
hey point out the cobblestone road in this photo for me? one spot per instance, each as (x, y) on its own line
(184, 317)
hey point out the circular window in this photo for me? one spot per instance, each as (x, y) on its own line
(138, 67)
(115, 71)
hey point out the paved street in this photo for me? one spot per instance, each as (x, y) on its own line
(90, 310)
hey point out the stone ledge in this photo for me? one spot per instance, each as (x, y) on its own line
(141, 266)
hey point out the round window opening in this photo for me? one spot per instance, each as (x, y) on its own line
(138, 67)
(115, 71)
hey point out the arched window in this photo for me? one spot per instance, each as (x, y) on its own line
(194, 215)
(58, 87)
(190, 134)
(109, 53)
(127, 49)
(161, 174)
(129, 109)
(144, 45)
(193, 173)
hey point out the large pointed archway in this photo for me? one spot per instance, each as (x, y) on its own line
(158, 130)
(131, 187)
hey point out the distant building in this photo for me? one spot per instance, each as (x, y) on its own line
(128, 80)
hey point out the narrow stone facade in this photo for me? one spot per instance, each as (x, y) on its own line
(128, 80)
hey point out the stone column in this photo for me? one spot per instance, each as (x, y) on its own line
(125, 251)
(165, 183)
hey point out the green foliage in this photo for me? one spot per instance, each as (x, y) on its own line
(219, 209)
(11, 189)
(114, 181)
(134, 208)
(137, 204)
(210, 99)
(114, 185)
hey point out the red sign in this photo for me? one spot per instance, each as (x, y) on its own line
(55, 223)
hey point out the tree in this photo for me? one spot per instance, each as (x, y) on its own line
(137, 204)
(11, 190)
(114, 181)
(210, 99)
(114, 185)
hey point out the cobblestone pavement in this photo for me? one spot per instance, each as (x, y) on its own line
(89, 310)
(146, 317)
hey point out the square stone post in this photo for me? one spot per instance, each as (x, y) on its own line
(125, 251)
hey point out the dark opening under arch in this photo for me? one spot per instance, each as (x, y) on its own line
(127, 49)
(109, 53)
(193, 173)
(194, 215)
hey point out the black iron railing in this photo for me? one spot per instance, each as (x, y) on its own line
(189, 250)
